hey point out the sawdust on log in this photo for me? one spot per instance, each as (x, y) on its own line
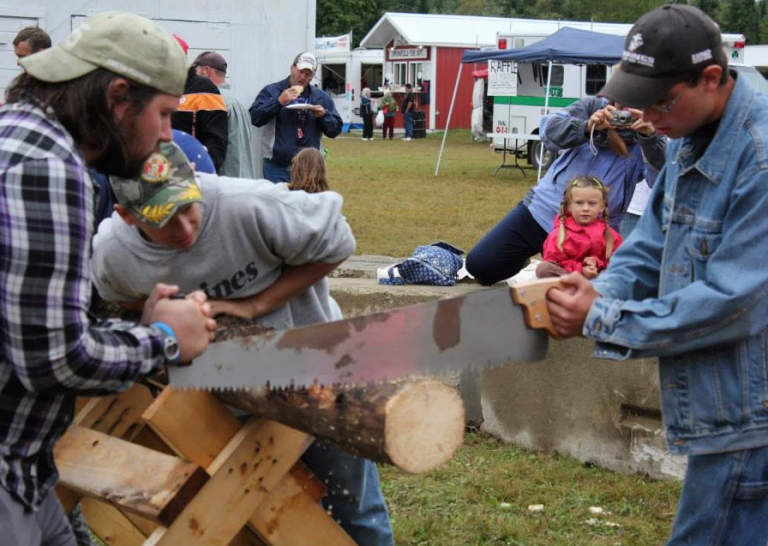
(227, 327)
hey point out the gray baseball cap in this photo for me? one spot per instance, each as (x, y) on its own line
(124, 43)
(166, 184)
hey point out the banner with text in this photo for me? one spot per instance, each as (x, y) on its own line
(333, 44)
(502, 78)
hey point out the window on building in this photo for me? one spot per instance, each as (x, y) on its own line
(334, 78)
(401, 73)
(596, 78)
(415, 73)
(558, 75)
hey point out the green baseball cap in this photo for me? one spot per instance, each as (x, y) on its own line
(166, 184)
(124, 43)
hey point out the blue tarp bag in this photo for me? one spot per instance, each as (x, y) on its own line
(436, 264)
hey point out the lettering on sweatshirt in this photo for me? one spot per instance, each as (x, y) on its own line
(225, 288)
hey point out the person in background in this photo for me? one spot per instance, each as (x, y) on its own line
(582, 240)
(195, 152)
(239, 158)
(604, 139)
(408, 105)
(690, 287)
(354, 487)
(366, 112)
(388, 105)
(75, 106)
(294, 115)
(308, 172)
(30, 40)
(202, 113)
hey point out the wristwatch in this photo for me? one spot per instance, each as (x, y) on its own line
(170, 344)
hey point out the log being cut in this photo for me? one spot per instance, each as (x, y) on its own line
(414, 424)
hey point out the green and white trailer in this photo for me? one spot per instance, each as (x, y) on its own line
(519, 89)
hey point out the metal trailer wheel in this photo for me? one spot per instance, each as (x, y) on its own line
(535, 147)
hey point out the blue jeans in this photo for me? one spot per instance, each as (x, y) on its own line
(408, 120)
(276, 173)
(504, 251)
(724, 500)
(46, 526)
(354, 496)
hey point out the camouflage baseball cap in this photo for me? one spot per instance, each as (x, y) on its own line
(124, 43)
(166, 184)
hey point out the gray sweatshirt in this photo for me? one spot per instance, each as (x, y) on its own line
(248, 230)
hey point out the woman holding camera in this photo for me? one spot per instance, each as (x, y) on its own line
(594, 138)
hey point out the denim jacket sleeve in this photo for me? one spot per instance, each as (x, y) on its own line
(705, 289)
(653, 152)
(566, 128)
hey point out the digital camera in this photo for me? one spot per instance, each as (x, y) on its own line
(622, 117)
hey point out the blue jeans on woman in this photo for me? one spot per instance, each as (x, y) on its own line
(724, 501)
(504, 251)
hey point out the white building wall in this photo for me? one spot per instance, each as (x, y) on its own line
(258, 38)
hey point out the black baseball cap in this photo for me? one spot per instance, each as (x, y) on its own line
(665, 46)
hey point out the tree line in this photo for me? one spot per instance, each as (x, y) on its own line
(335, 17)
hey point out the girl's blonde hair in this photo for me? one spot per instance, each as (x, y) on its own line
(308, 172)
(585, 182)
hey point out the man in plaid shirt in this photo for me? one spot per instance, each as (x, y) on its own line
(103, 98)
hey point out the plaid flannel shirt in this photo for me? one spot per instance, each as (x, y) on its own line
(50, 350)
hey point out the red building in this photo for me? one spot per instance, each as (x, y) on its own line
(425, 51)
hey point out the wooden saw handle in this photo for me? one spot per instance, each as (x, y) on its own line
(532, 296)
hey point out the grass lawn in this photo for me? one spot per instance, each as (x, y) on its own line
(486, 495)
(394, 203)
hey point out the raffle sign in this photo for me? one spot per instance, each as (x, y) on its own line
(502, 78)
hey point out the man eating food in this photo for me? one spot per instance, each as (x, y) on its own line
(289, 130)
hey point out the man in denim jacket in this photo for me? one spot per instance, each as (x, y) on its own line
(690, 285)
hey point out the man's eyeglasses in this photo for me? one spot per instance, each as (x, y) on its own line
(665, 106)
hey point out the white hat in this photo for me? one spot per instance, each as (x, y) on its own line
(305, 61)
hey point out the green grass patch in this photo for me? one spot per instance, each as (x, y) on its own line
(394, 202)
(482, 498)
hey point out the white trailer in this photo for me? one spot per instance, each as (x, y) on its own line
(519, 111)
(343, 73)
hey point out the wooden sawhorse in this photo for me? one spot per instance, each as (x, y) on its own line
(180, 470)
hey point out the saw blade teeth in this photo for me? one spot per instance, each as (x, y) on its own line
(187, 388)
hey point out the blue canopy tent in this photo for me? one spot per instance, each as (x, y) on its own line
(566, 46)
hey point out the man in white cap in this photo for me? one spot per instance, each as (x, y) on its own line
(294, 115)
(688, 285)
(102, 98)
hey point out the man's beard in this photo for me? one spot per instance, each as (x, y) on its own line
(115, 160)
